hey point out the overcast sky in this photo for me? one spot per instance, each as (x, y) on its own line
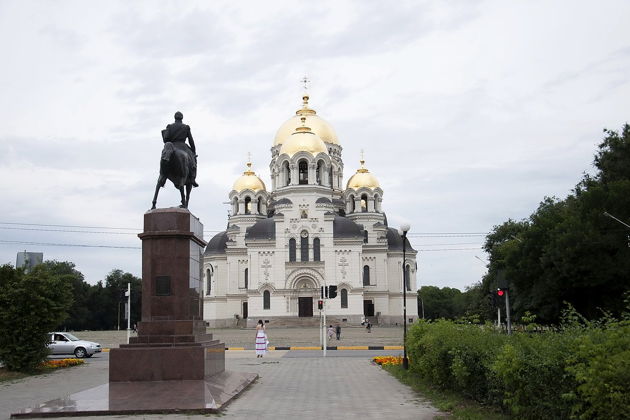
(469, 112)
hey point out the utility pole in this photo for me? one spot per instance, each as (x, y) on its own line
(507, 311)
(128, 294)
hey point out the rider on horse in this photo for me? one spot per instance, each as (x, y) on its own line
(178, 162)
(177, 133)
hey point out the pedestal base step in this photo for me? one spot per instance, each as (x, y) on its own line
(127, 398)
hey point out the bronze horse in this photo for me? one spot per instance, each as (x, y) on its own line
(178, 162)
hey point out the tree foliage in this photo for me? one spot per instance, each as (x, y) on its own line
(31, 305)
(568, 250)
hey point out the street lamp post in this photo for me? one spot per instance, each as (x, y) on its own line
(403, 233)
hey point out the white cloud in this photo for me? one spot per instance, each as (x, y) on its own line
(468, 113)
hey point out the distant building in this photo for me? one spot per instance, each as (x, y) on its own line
(308, 231)
(28, 260)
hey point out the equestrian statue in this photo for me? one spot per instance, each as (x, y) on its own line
(179, 161)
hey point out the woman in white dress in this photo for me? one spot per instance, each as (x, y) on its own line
(261, 339)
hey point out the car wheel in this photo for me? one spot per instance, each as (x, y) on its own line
(89, 355)
(80, 352)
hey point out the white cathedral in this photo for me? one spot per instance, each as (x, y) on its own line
(308, 231)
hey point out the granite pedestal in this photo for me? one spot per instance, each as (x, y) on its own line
(172, 343)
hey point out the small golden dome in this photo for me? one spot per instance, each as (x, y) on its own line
(363, 178)
(317, 124)
(303, 140)
(249, 180)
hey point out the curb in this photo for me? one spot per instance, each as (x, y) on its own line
(271, 348)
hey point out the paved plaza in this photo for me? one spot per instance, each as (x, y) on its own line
(292, 384)
(283, 337)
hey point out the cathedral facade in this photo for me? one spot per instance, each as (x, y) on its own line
(309, 230)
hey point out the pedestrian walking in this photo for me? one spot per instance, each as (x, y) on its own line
(338, 331)
(261, 339)
(368, 326)
(331, 331)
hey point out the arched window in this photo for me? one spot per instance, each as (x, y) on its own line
(407, 281)
(351, 203)
(365, 236)
(209, 281)
(364, 203)
(330, 177)
(303, 172)
(320, 172)
(316, 253)
(366, 275)
(287, 173)
(259, 205)
(304, 246)
(292, 249)
(248, 205)
(246, 277)
(266, 300)
(344, 298)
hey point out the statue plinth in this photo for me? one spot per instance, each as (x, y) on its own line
(172, 343)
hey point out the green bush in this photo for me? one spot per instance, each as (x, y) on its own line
(31, 305)
(600, 364)
(580, 371)
(531, 375)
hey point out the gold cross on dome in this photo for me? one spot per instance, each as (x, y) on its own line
(306, 81)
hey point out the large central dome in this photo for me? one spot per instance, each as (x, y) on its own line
(320, 127)
(303, 140)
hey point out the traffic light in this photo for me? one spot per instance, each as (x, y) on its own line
(501, 291)
(320, 304)
(332, 292)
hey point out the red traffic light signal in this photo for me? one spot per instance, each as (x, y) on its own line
(500, 292)
(320, 304)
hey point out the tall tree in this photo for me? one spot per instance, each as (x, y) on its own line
(31, 305)
(568, 250)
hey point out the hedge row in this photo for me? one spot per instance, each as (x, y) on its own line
(580, 371)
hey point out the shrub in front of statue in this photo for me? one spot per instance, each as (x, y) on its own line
(31, 305)
(579, 370)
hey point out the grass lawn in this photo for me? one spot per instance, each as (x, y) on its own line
(45, 367)
(7, 375)
(456, 405)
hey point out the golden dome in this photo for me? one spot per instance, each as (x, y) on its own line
(317, 124)
(363, 178)
(249, 180)
(303, 140)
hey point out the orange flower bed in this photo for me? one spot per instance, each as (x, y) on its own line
(61, 363)
(388, 360)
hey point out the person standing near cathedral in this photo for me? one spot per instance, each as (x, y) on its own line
(261, 339)
(338, 331)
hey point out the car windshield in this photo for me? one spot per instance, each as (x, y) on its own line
(71, 337)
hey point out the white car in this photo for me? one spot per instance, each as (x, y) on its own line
(66, 343)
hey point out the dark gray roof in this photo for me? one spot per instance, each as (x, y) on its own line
(378, 225)
(263, 229)
(339, 203)
(346, 228)
(217, 244)
(395, 242)
(323, 200)
(282, 201)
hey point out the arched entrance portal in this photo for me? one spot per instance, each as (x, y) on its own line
(305, 289)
